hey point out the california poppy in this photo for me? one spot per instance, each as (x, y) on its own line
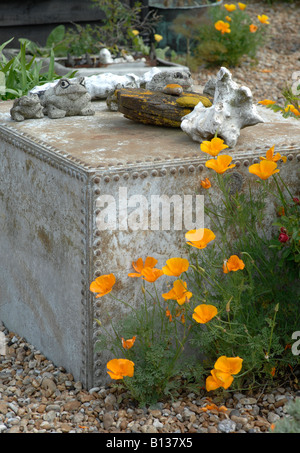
(230, 8)
(199, 238)
(103, 285)
(139, 266)
(151, 274)
(127, 344)
(274, 158)
(223, 27)
(263, 19)
(205, 183)
(221, 164)
(213, 381)
(242, 6)
(175, 266)
(120, 368)
(253, 28)
(234, 263)
(232, 365)
(204, 313)
(179, 292)
(264, 169)
(266, 101)
(213, 147)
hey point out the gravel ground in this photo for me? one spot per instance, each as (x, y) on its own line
(38, 397)
(277, 61)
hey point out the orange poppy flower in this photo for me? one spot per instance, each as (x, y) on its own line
(151, 274)
(223, 27)
(205, 183)
(213, 147)
(266, 102)
(127, 344)
(230, 8)
(179, 292)
(168, 314)
(120, 368)
(253, 28)
(175, 266)
(139, 266)
(228, 19)
(275, 158)
(264, 169)
(199, 238)
(204, 313)
(242, 6)
(103, 284)
(231, 365)
(234, 263)
(213, 381)
(221, 164)
(263, 19)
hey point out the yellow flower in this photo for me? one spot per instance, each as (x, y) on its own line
(292, 108)
(222, 26)
(127, 344)
(158, 38)
(228, 18)
(120, 368)
(103, 285)
(230, 7)
(221, 164)
(264, 169)
(213, 147)
(234, 263)
(263, 19)
(274, 158)
(199, 238)
(253, 28)
(175, 266)
(135, 32)
(242, 6)
(204, 313)
(266, 102)
(179, 292)
(205, 183)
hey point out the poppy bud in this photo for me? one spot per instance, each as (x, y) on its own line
(296, 200)
(283, 237)
(283, 230)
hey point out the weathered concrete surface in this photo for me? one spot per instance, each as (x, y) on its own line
(52, 174)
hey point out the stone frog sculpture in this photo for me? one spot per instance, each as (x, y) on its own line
(26, 107)
(69, 97)
(179, 77)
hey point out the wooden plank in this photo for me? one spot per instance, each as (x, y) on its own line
(22, 12)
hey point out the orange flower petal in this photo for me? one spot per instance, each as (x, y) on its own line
(199, 238)
(151, 274)
(103, 284)
(221, 164)
(264, 169)
(175, 266)
(234, 263)
(204, 313)
(231, 365)
(178, 292)
(119, 368)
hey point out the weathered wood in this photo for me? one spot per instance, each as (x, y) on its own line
(156, 108)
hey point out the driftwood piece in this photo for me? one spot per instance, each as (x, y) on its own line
(156, 108)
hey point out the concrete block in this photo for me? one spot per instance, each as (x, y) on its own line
(54, 177)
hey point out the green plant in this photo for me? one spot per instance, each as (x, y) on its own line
(229, 35)
(291, 422)
(18, 76)
(291, 106)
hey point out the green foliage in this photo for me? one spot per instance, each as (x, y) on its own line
(217, 49)
(18, 75)
(291, 422)
(291, 106)
(259, 305)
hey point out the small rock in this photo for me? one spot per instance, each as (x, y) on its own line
(227, 426)
(272, 417)
(108, 420)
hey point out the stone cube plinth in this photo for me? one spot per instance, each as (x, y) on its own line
(55, 176)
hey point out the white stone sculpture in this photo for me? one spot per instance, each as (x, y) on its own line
(232, 110)
(105, 56)
(101, 85)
